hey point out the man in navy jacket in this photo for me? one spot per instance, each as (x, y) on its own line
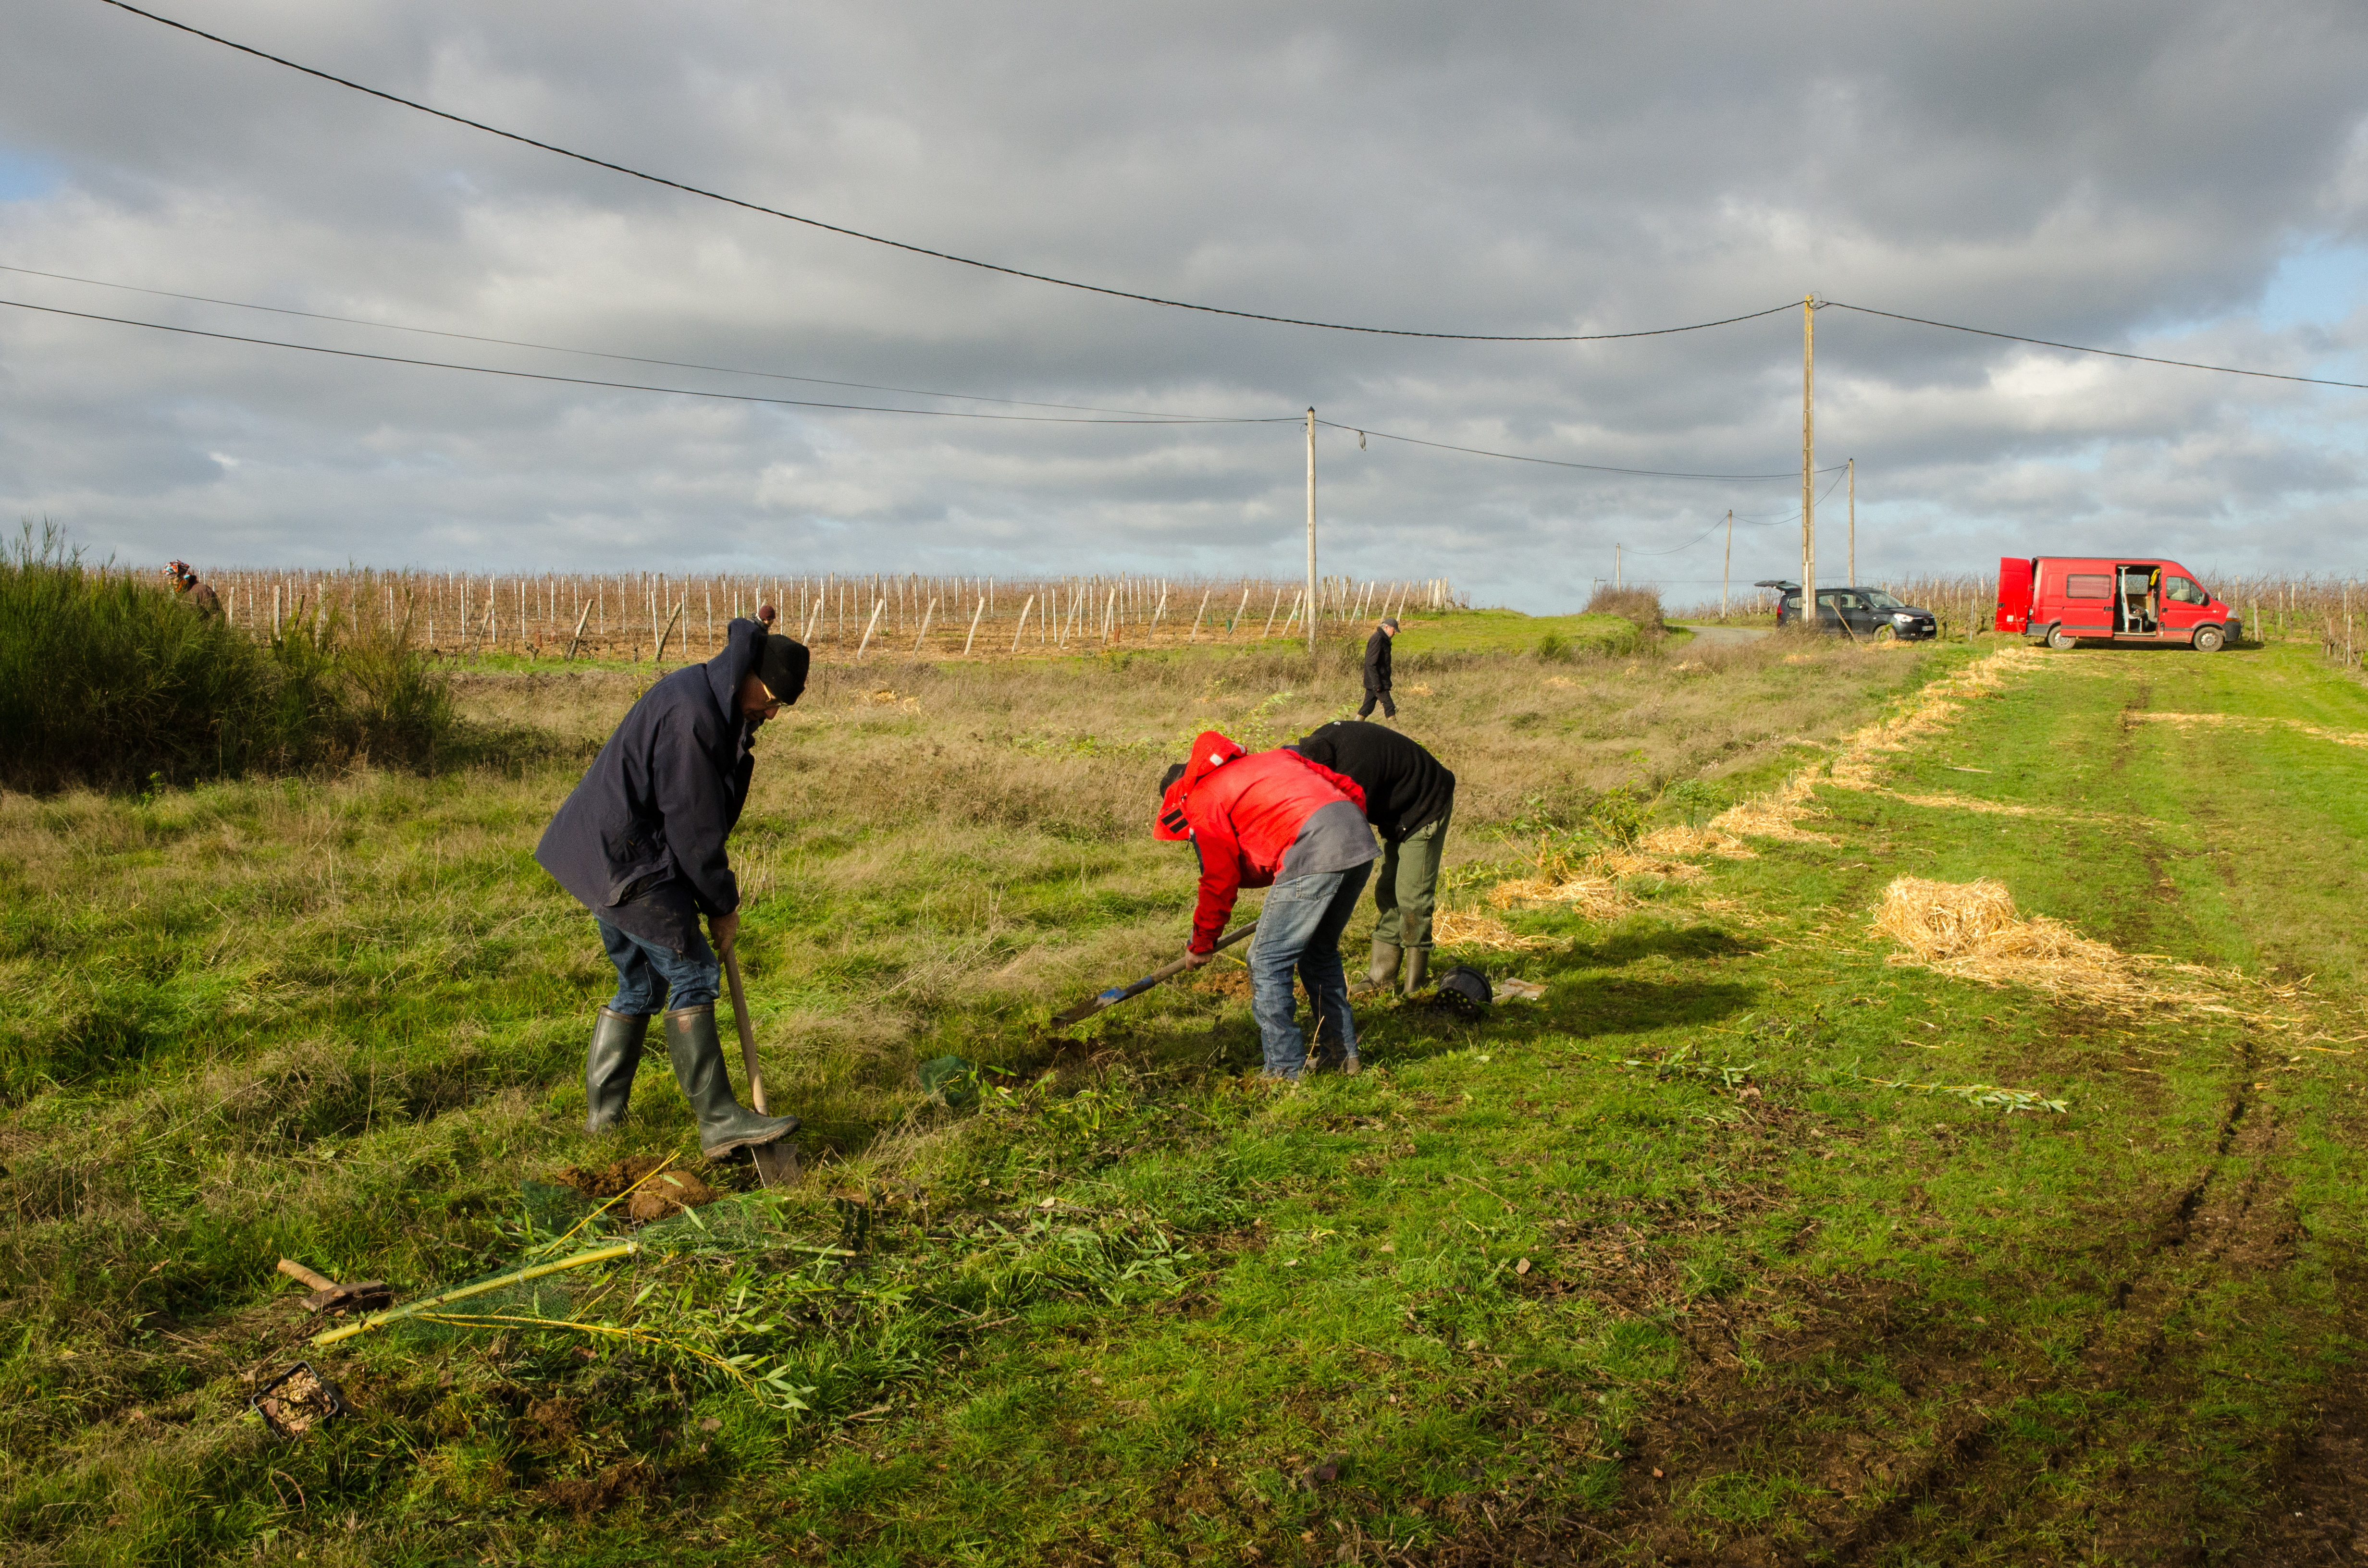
(639, 842)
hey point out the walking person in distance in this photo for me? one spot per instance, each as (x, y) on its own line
(1377, 670)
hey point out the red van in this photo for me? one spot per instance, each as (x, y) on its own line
(2061, 599)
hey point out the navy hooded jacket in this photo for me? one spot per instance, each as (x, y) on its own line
(660, 799)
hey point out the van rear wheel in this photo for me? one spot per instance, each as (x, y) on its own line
(2057, 637)
(2208, 638)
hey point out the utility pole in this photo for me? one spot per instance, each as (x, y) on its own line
(1616, 579)
(1727, 571)
(1311, 533)
(1808, 462)
(1853, 522)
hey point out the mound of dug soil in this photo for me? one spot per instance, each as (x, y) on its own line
(669, 1192)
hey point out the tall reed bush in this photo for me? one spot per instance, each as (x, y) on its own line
(110, 682)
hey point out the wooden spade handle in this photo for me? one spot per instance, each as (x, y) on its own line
(747, 1035)
(303, 1276)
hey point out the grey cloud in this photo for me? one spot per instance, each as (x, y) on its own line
(2124, 174)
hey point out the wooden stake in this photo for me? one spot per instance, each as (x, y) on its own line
(1243, 611)
(973, 625)
(579, 632)
(1022, 625)
(877, 606)
(1203, 610)
(925, 616)
(658, 655)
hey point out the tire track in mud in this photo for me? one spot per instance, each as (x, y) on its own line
(2233, 1216)
(1751, 1406)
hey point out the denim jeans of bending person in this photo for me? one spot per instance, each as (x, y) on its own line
(1299, 930)
(655, 979)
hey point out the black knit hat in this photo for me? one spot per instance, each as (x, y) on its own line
(781, 665)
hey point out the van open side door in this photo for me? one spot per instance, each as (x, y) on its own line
(2137, 603)
(2014, 594)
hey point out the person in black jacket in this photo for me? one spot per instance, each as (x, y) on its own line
(1409, 799)
(639, 842)
(1377, 670)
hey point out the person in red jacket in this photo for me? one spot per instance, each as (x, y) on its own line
(1276, 819)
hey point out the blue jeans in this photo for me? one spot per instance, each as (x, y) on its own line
(1300, 928)
(646, 972)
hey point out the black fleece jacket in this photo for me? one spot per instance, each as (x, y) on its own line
(1377, 661)
(1405, 785)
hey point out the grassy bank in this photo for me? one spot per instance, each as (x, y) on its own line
(113, 682)
(1654, 1264)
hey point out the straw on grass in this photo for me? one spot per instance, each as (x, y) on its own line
(1470, 928)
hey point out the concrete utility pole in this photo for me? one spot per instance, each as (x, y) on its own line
(1311, 533)
(1853, 522)
(1808, 461)
(1617, 581)
(1727, 571)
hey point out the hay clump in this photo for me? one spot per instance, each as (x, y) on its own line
(1681, 840)
(1628, 863)
(1971, 930)
(1471, 928)
(1596, 897)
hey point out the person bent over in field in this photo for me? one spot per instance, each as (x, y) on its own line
(1409, 799)
(191, 593)
(639, 842)
(1276, 819)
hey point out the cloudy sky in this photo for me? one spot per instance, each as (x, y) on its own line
(2178, 179)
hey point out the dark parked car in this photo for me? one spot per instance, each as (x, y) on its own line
(1868, 613)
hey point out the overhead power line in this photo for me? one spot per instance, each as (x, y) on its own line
(637, 386)
(1556, 462)
(1747, 522)
(591, 353)
(2084, 348)
(758, 207)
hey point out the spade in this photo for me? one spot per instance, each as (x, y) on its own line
(777, 1161)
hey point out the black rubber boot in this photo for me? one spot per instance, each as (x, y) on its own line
(697, 1057)
(1418, 969)
(609, 1065)
(1384, 968)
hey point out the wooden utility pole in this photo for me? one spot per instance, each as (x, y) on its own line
(1615, 566)
(1808, 461)
(1853, 522)
(1311, 532)
(1728, 572)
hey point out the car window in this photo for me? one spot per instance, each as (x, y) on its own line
(1881, 600)
(2088, 585)
(2184, 590)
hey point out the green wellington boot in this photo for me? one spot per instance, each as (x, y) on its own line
(1418, 969)
(1384, 969)
(697, 1057)
(609, 1065)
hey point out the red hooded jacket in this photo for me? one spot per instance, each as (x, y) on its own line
(1242, 813)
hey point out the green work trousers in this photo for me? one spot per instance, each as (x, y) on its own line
(1405, 884)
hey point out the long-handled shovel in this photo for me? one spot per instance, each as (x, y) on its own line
(777, 1163)
(1117, 994)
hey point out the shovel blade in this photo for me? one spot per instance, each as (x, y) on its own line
(777, 1163)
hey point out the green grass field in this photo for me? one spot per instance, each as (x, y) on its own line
(1654, 1267)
